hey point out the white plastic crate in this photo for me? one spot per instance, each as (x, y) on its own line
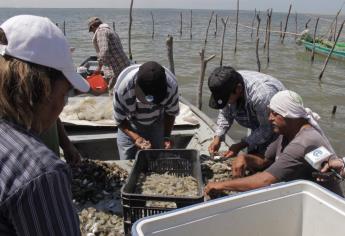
(298, 208)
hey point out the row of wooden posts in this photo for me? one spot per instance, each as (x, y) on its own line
(267, 34)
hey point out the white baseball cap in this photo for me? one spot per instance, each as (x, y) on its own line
(38, 40)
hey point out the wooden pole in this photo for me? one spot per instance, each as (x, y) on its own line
(296, 26)
(169, 44)
(215, 32)
(334, 19)
(335, 27)
(306, 23)
(257, 43)
(208, 27)
(180, 23)
(266, 30)
(191, 24)
(334, 110)
(203, 66)
(153, 26)
(238, 9)
(129, 31)
(281, 30)
(314, 39)
(114, 26)
(222, 47)
(286, 23)
(202, 76)
(269, 36)
(330, 53)
(64, 28)
(251, 34)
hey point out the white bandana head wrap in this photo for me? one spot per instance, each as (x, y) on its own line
(289, 104)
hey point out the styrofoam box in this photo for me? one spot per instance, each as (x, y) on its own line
(298, 208)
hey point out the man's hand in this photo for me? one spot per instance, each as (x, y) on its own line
(235, 149)
(142, 143)
(213, 188)
(335, 164)
(72, 154)
(239, 166)
(214, 146)
(168, 143)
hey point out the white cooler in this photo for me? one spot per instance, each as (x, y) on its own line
(298, 208)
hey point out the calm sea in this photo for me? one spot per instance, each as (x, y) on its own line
(288, 62)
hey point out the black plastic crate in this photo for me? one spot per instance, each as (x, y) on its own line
(180, 162)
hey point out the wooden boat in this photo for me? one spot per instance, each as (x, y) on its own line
(96, 139)
(325, 47)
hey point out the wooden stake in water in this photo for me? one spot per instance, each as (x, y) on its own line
(266, 30)
(238, 9)
(314, 40)
(215, 31)
(296, 26)
(203, 66)
(286, 23)
(251, 34)
(169, 44)
(153, 26)
(334, 110)
(330, 53)
(269, 36)
(191, 24)
(222, 47)
(129, 31)
(180, 24)
(64, 28)
(306, 23)
(281, 30)
(114, 26)
(257, 43)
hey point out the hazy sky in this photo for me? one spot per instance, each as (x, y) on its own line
(302, 6)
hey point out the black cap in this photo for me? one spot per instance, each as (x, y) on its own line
(222, 83)
(152, 80)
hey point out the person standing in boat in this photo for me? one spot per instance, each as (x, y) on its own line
(36, 73)
(111, 56)
(242, 96)
(146, 102)
(299, 134)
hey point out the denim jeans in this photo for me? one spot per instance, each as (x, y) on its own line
(154, 133)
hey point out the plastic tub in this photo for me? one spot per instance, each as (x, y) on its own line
(298, 208)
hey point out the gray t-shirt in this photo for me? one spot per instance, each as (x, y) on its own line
(288, 160)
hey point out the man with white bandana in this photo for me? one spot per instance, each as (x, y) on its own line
(299, 133)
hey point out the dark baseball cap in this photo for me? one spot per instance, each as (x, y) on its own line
(152, 83)
(222, 83)
(92, 21)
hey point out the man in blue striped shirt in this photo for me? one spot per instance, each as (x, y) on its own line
(243, 96)
(36, 73)
(146, 102)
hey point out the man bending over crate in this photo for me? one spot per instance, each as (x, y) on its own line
(146, 102)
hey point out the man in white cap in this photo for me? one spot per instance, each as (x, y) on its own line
(36, 73)
(299, 133)
(111, 56)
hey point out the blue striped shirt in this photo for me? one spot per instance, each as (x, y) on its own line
(258, 91)
(127, 106)
(35, 187)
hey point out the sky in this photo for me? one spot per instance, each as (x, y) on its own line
(300, 6)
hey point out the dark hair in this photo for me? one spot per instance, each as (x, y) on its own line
(231, 74)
